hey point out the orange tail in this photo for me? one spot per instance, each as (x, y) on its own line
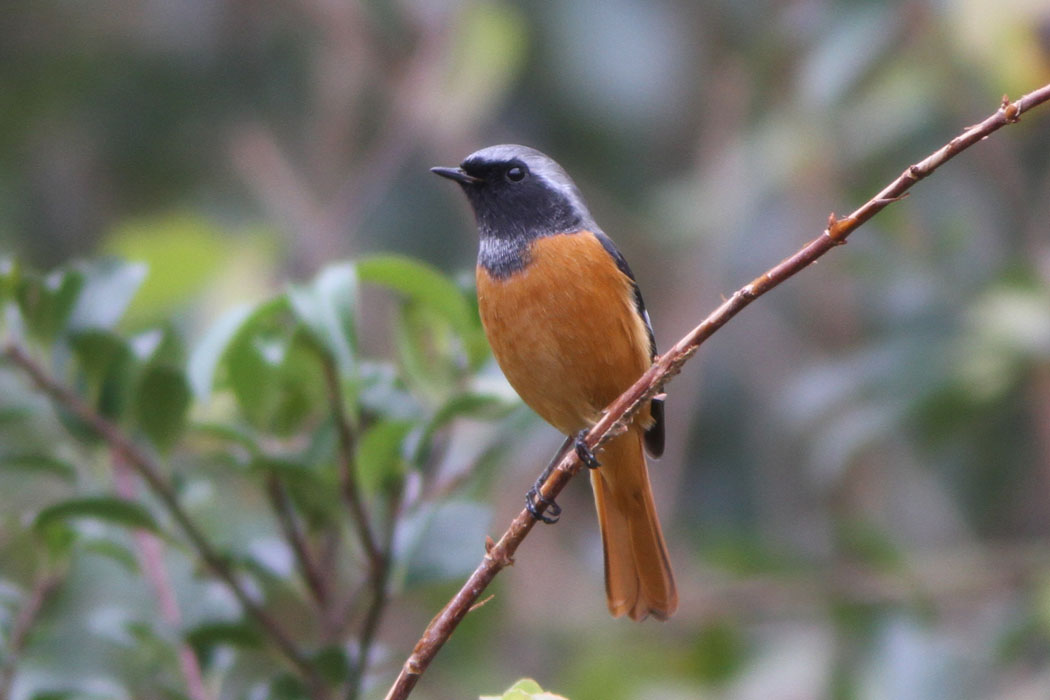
(638, 578)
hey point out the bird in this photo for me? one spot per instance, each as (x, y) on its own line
(567, 325)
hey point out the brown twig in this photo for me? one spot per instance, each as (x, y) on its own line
(145, 466)
(23, 627)
(618, 415)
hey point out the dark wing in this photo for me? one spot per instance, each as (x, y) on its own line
(654, 436)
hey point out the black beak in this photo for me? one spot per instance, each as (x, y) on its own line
(457, 174)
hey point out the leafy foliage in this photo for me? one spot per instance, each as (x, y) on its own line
(284, 384)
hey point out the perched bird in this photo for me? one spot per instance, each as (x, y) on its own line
(567, 324)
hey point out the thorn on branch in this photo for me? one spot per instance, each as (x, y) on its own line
(884, 201)
(478, 604)
(838, 229)
(500, 557)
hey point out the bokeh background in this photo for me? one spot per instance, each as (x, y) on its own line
(856, 489)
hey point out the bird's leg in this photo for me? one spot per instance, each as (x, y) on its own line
(534, 497)
(584, 452)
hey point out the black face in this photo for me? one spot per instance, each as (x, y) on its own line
(512, 201)
(518, 194)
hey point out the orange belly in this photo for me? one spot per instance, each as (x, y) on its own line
(565, 330)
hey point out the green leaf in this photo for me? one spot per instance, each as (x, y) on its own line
(46, 303)
(278, 381)
(9, 275)
(207, 637)
(380, 454)
(159, 345)
(34, 463)
(287, 686)
(419, 282)
(205, 359)
(162, 401)
(426, 286)
(108, 368)
(109, 286)
(423, 349)
(112, 510)
(332, 664)
(326, 307)
(14, 414)
(524, 689)
(113, 551)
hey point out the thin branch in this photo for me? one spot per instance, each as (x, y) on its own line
(23, 627)
(293, 534)
(619, 414)
(350, 487)
(378, 583)
(378, 553)
(145, 466)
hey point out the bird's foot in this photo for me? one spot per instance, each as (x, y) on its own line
(584, 452)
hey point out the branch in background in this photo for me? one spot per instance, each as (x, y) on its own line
(620, 413)
(23, 626)
(349, 485)
(378, 553)
(143, 464)
(293, 534)
(151, 559)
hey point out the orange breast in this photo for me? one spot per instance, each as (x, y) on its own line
(565, 330)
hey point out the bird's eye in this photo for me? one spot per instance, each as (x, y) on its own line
(516, 173)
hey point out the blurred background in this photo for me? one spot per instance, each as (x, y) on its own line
(856, 489)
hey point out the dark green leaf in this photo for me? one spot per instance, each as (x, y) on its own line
(314, 492)
(278, 382)
(331, 663)
(160, 345)
(162, 400)
(108, 509)
(14, 414)
(287, 687)
(46, 303)
(63, 695)
(39, 464)
(326, 307)
(205, 638)
(108, 367)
